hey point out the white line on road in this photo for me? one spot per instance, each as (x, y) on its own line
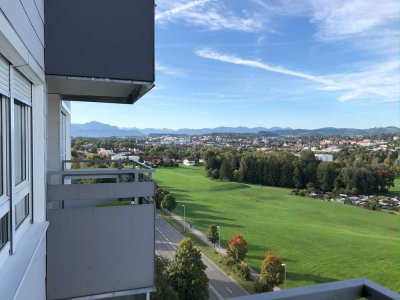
(215, 292)
(229, 290)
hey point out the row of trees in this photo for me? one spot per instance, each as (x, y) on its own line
(281, 168)
(272, 272)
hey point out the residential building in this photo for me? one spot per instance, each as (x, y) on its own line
(188, 162)
(54, 242)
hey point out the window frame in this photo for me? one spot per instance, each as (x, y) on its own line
(5, 197)
(24, 188)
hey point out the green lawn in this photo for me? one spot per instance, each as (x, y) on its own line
(318, 241)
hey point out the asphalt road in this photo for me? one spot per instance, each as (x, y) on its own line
(220, 287)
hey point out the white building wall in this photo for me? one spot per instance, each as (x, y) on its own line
(26, 18)
(23, 273)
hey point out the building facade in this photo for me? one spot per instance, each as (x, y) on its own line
(53, 52)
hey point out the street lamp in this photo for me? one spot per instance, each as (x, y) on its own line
(184, 217)
(284, 266)
(219, 243)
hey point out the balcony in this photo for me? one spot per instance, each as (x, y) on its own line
(94, 251)
(101, 55)
(129, 179)
(360, 288)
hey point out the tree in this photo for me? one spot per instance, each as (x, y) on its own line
(327, 172)
(164, 290)
(237, 248)
(168, 202)
(160, 194)
(213, 234)
(271, 270)
(186, 272)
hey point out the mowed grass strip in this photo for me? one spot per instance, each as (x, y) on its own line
(319, 241)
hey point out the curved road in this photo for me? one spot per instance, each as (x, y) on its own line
(221, 286)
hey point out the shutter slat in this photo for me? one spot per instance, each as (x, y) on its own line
(4, 77)
(22, 88)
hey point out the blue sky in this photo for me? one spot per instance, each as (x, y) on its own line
(302, 64)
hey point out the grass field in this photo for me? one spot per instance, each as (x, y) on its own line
(318, 241)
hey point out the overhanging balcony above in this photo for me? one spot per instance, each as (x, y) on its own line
(99, 50)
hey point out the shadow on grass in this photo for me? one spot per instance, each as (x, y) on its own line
(228, 186)
(309, 277)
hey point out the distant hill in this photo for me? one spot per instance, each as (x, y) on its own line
(97, 129)
(338, 131)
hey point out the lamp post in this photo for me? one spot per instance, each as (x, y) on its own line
(284, 266)
(184, 217)
(219, 243)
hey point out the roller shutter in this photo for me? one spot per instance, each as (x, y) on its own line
(4, 76)
(22, 88)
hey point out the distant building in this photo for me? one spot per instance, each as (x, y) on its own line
(324, 157)
(189, 163)
(104, 152)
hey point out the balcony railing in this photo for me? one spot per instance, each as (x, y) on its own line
(98, 252)
(360, 288)
(91, 182)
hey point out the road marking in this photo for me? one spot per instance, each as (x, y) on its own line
(215, 292)
(229, 290)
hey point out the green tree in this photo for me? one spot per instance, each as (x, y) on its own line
(160, 194)
(237, 248)
(327, 172)
(272, 271)
(186, 272)
(169, 202)
(164, 290)
(213, 234)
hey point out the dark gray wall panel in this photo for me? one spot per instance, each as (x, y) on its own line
(100, 38)
(99, 250)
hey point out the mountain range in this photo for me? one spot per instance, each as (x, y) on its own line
(97, 129)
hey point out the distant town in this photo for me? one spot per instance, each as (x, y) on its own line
(166, 150)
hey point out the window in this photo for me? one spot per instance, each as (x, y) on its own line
(20, 141)
(63, 136)
(21, 211)
(4, 231)
(1, 146)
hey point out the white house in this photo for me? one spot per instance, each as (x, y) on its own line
(189, 163)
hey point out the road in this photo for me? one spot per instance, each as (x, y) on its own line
(221, 286)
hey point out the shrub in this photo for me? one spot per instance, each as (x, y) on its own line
(261, 286)
(228, 261)
(241, 270)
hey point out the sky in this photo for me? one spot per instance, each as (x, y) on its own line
(288, 63)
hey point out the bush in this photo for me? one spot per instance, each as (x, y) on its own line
(262, 286)
(215, 174)
(228, 261)
(241, 270)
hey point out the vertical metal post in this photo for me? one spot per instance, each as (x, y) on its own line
(284, 266)
(219, 243)
(184, 218)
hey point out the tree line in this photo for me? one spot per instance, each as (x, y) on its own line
(354, 173)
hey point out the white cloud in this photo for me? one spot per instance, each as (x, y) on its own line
(180, 9)
(207, 14)
(369, 25)
(342, 19)
(379, 82)
(169, 70)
